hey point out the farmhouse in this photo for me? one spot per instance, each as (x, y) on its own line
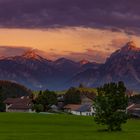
(134, 110)
(79, 109)
(85, 107)
(22, 104)
(86, 99)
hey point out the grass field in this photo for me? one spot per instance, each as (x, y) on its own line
(20, 126)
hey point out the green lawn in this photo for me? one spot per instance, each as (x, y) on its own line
(20, 126)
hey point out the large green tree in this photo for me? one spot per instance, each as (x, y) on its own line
(110, 106)
(46, 99)
(72, 96)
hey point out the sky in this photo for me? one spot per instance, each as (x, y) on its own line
(75, 29)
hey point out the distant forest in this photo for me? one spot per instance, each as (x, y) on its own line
(13, 90)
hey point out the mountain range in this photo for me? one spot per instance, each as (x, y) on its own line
(37, 73)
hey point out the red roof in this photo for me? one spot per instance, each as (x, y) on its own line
(72, 106)
(20, 106)
(18, 103)
(134, 107)
(17, 100)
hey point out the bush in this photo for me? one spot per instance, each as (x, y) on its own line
(38, 108)
(2, 107)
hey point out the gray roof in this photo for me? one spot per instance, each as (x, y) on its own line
(84, 108)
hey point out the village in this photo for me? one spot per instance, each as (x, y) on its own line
(84, 106)
(25, 104)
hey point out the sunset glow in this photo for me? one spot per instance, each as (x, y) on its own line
(75, 29)
(75, 43)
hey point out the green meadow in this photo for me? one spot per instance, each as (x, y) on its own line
(24, 126)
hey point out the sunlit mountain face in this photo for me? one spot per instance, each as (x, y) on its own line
(56, 44)
(122, 65)
(38, 72)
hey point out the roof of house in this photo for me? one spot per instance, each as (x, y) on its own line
(84, 108)
(20, 106)
(78, 107)
(17, 100)
(18, 103)
(134, 107)
(72, 106)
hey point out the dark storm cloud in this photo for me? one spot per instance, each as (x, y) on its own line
(110, 14)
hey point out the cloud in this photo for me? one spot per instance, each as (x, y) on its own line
(89, 54)
(12, 51)
(8, 51)
(75, 43)
(114, 15)
(117, 43)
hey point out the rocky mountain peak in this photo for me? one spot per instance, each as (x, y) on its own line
(31, 54)
(84, 61)
(130, 46)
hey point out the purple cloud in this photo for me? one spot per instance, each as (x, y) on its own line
(114, 15)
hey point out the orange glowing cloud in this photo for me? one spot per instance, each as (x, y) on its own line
(73, 43)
